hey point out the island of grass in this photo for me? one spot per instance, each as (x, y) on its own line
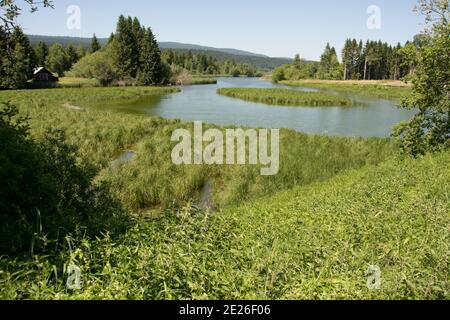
(203, 80)
(391, 90)
(286, 97)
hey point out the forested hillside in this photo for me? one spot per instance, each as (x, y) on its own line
(239, 56)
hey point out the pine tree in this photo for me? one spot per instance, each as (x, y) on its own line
(111, 38)
(41, 53)
(17, 59)
(72, 54)
(150, 60)
(126, 49)
(95, 45)
(27, 51)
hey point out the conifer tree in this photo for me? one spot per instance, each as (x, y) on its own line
(150, 60)
(72, 54)
(41, 53)
(95, 45)
(126, 49)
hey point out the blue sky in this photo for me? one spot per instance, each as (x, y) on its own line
(278, 28)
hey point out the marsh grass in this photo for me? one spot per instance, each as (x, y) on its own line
(203, 80)
(377, 89)
(151, 181)
(286, 97)
(311, 242)
(337, 206)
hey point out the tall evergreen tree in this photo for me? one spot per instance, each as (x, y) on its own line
(111, 38)
(329, 67)
(41, 53)
(17, 59)
(126, 49)
(95, 45)
(150, 60)
(20, 39)
(72, 54)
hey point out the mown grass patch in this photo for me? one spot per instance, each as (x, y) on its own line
(286, 97)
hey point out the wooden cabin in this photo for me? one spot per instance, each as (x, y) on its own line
(44, 75)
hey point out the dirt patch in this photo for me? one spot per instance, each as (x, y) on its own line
(70, 106)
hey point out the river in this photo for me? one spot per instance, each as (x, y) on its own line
(201, 103)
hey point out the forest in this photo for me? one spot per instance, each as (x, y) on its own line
(372, 60)
(131, 56)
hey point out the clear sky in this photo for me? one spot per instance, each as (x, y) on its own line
(278, 28)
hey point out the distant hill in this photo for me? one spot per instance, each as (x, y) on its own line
(186, 46)
(240, 56)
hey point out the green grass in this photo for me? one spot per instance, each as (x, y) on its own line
(380, 90)
(151, 182)
(337, 206)
(286, 97)
(312, 242)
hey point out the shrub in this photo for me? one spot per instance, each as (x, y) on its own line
(45, 190)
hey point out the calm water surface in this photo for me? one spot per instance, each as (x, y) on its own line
(201, 103)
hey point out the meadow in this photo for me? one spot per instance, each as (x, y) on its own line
(392, 90)
(286, 97)
(337, 206)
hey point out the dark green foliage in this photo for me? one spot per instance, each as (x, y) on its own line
(41, 52)
(373, 61)
(17, 59)
(126, 49)
(151, 70)
(72, 54)
(329, 68)
(137, 57)
(95, 45)
(46, 191)
(205, 64)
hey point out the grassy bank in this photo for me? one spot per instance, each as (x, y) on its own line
(393, 90)
(286, 97)
(312, 242)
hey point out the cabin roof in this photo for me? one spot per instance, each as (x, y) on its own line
(37, 70)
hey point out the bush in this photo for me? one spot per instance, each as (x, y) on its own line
(98, 65)
(45, 190)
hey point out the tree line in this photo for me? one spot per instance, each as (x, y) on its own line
(372, 60)
(131, 56)
(204, 64)
(19, 59)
